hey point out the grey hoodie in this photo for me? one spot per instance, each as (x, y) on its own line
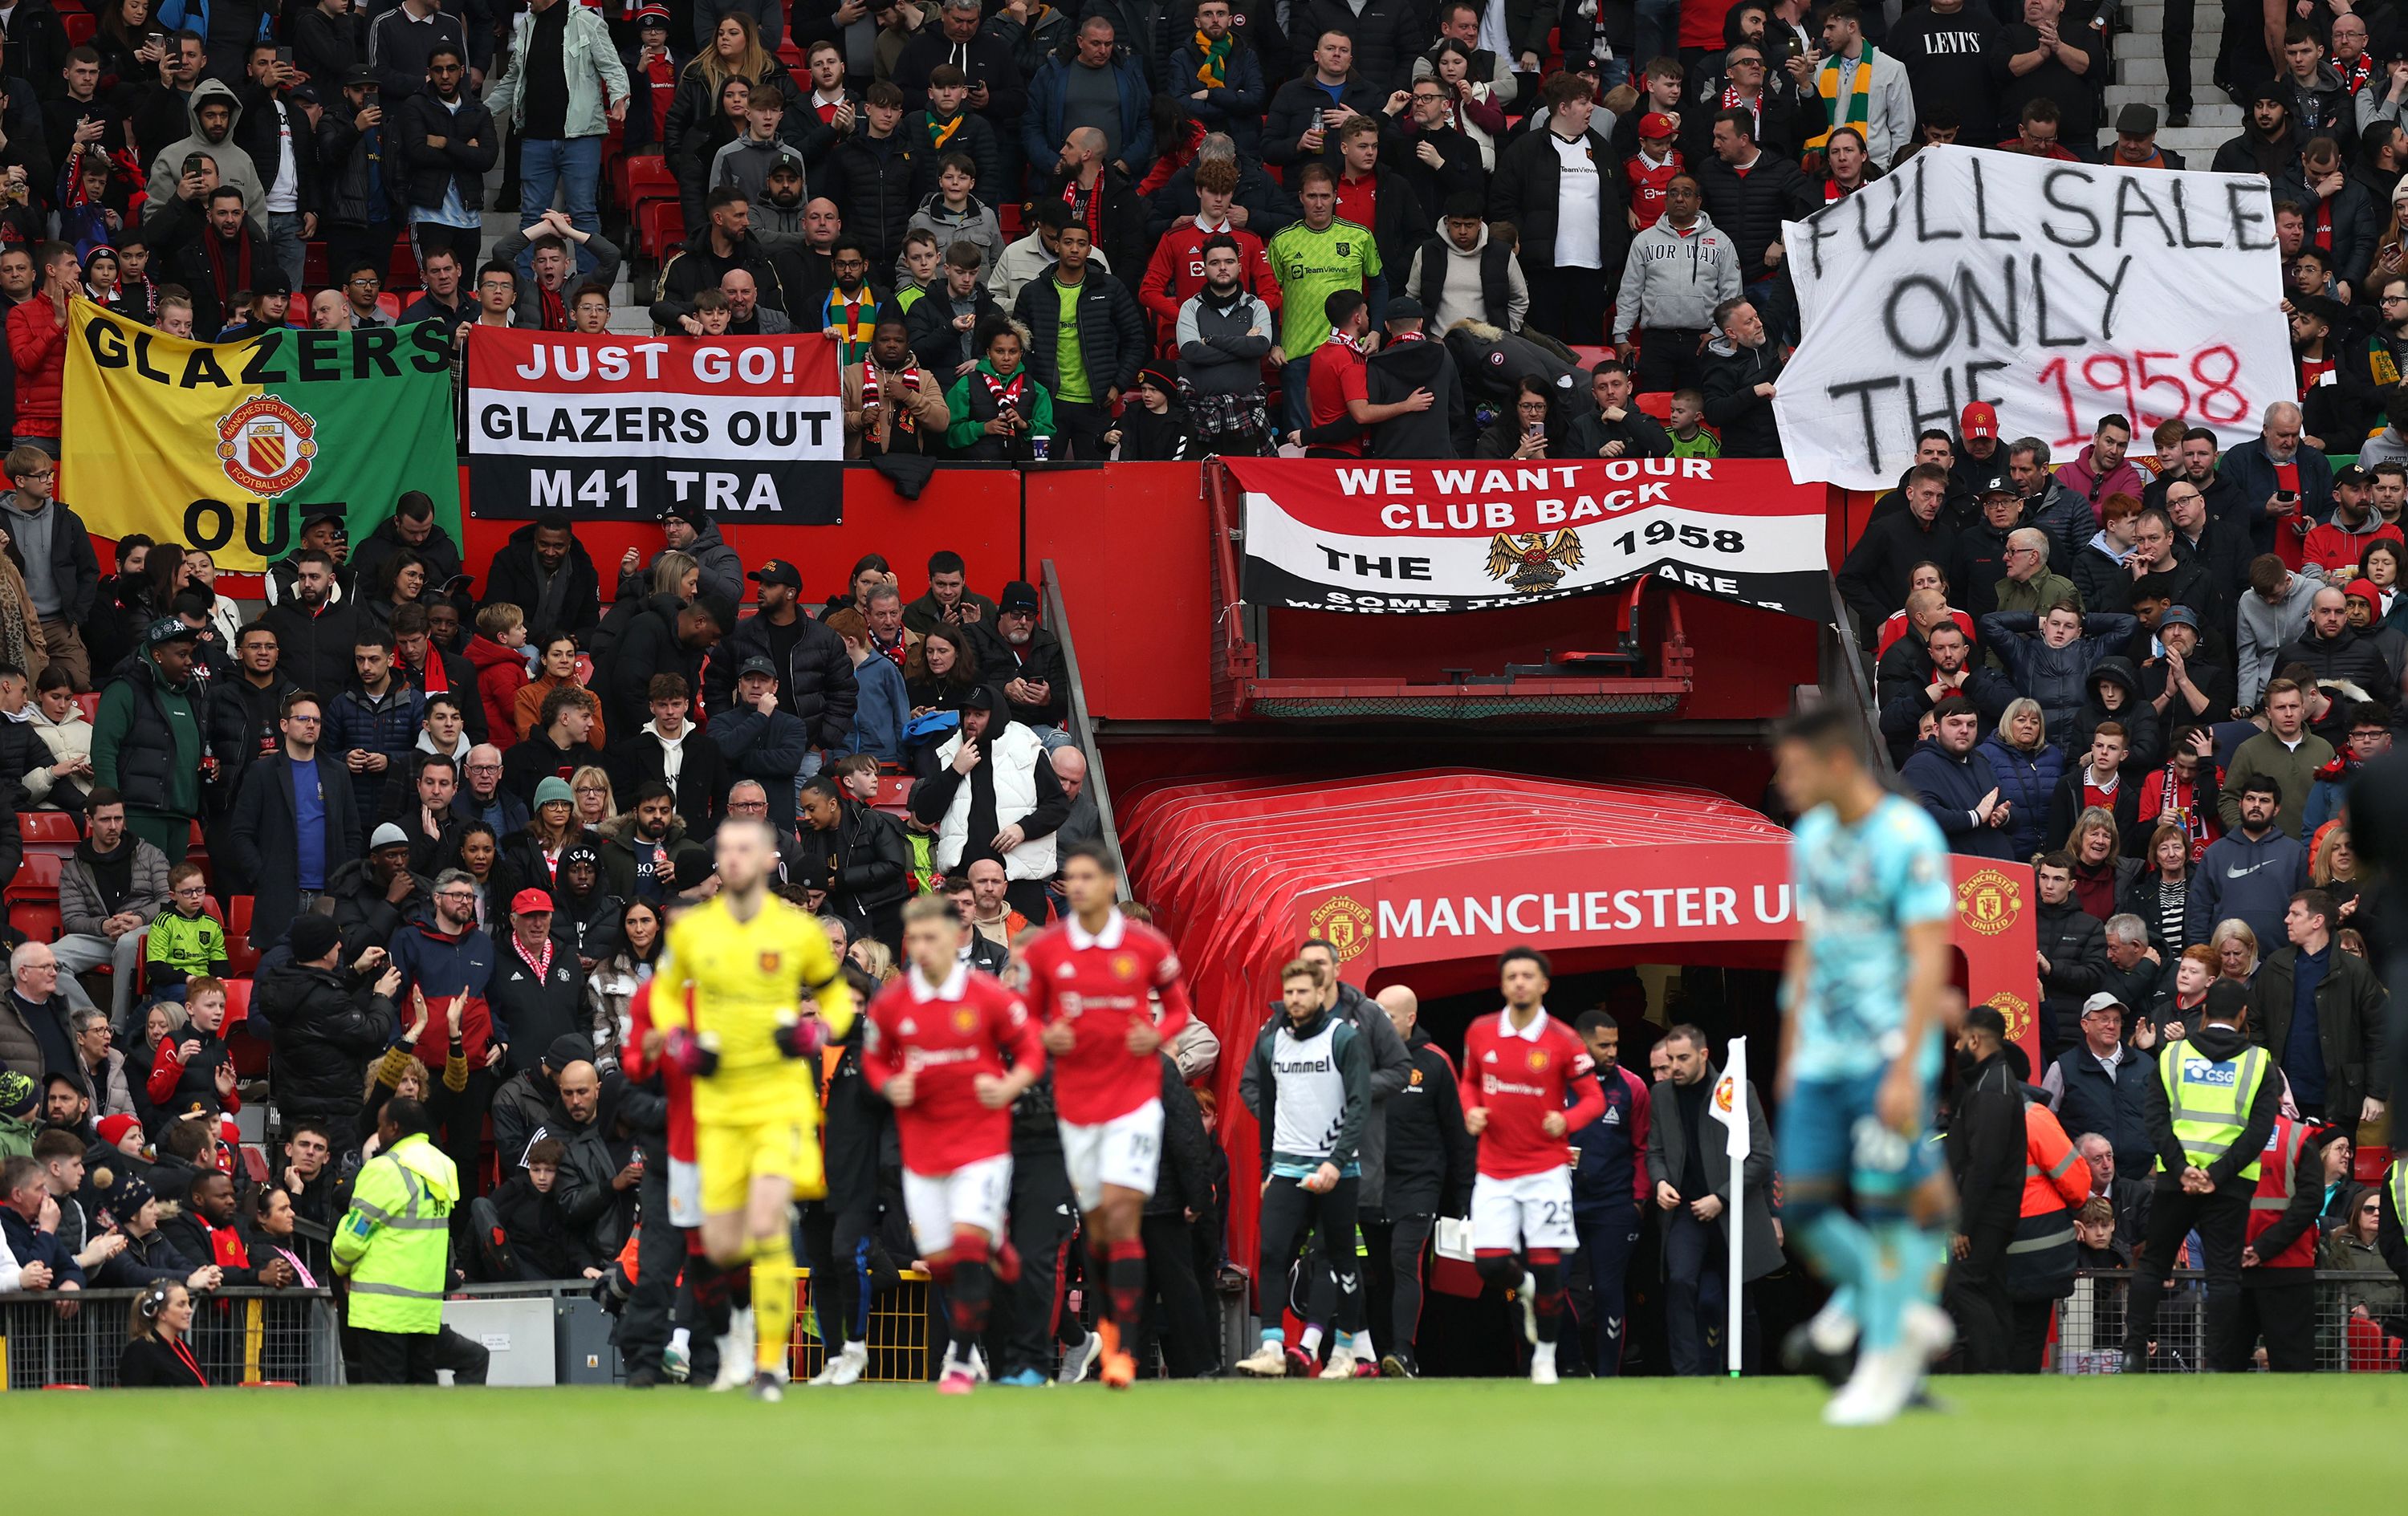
(1461, 299)
(976, 225)
(2265, 628)
(746, 164)
(721, 571)
(234, 166)
(1672, 281)
(2252, 880)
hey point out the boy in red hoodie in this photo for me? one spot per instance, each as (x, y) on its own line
(499, 654)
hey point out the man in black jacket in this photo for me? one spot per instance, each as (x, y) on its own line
(2330, 645)
(1112, 339)
(857, 859)
(1615, 427)
(448, 142)
(1749, 192)
(314, 637)
(1386, 35)
(1301, 125)
(699, 775)
(544, 571)
(2200, 1183)
(1409, 360)
(2072, 946)
(941, 322)
(537, 990)
(264, 835)
(817, 684)
(375, 896)
(353, 137)
(1986, 1158)
(1430, 1172)
(239, 716)
(326, 1024)
(1548, 184)
(1875, 578)
(1742, 365)
(725, 241)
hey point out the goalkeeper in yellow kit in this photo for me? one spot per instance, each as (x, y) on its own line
(749, 957)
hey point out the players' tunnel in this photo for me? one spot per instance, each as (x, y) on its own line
(1422, 878)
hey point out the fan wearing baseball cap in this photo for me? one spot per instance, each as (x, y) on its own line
(1977, 444)
(1647, 174)
(537, 989)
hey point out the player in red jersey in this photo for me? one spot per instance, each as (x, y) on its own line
(937, 1046)
(1521, 1068)
(1091, 982)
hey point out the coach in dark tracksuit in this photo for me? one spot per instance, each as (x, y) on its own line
(1986, 1157)
(1609, 1186)
(1430, 1164)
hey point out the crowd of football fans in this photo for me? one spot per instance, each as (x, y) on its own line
(1134, 229)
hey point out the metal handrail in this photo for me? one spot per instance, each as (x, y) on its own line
(1083, 721)
(1845, 653)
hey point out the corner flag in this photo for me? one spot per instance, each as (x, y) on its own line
(1730, 1107)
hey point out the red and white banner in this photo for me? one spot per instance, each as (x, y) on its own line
(564, 424)
(1421, 537)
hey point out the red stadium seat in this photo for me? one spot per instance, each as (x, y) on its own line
(1656, 403)
(37, 919)
(241, 955)
(645, 176)
(90, 704)
(237, 1002)
(388, 306)
(50, 828)
(313, 267)
(81, 27)
(37, 880)
(401, 271)
(660, 229)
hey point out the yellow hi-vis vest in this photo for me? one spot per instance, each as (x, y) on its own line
(2210, 1101)
(394, 1245)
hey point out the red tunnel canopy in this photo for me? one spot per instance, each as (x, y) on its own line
(1425, 876)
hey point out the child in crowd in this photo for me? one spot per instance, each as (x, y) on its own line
(185, 941)
(1687, 426)
(711, 309)
(542, 1241)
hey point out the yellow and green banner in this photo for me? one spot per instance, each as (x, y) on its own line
(229, 445)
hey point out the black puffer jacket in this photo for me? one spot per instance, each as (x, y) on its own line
(1751, 209)
(1112, 332)
(650, 647)
(2074, 942)
(363, 912)
(695, 268)
(325, 1032)
(1745, 417)
(869, 861)
(819, 685)
(876, 190)
(236, 716)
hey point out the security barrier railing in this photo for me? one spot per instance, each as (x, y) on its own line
(239, 1336)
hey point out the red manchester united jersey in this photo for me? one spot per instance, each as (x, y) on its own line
(1521, 1077)
(946, 1037)
(1101, 984)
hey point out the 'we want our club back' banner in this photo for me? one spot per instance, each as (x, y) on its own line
(561, 424)
(2059, 292)
(1390, 537)
(228, 446)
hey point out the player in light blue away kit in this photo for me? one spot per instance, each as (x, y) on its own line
(1860, 1050)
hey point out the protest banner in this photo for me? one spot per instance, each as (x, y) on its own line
(2057, 292)
(1390, 537)
(563, 424)
(228, 446)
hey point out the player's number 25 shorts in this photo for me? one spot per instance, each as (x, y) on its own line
(1125, 1152)
(733, 1155)
(973, 1195)
(1531, 1211)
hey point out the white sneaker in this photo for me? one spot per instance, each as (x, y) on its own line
(844, 1367)
(1529, 1293)
(1832, 1330)
(1542, 1362)
(978, 1364)
(1927, 1330)
(1882, 1385)
(1341, 1365)
(1267, 1362)
(735, 1351)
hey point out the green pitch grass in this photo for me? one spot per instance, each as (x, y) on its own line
(2166, 1443)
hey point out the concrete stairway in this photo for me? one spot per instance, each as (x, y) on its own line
(2140, 79)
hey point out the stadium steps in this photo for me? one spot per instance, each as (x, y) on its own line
(2141, 79)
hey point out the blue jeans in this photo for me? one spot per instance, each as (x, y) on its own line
(1296, 403)
(284, 245)
(572, 168)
